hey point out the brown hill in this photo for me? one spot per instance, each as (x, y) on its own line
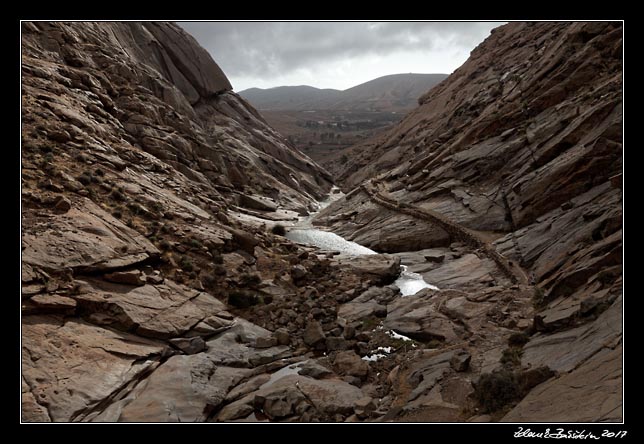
(396, 92)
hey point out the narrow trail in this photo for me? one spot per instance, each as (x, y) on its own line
(381, 197)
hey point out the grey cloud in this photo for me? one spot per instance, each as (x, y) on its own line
(275, 48)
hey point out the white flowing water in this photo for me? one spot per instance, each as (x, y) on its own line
(409, 283)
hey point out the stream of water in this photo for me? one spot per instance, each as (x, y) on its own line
(304, 233)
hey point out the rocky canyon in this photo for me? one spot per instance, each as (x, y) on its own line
(163, 281)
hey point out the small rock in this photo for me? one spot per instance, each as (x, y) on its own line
(336, 343)
(316, 312)
(349, 332)
(63, 204)
(282, 336)
(313, 335)
(349, 363)
(265, 342)
(352, 418)
(460, 362)
(362, 348)
(314, 370)
(434, 258)
(189, 346)
(298, 272)
(61, 136)
(154, 278)
(132, 277)
(49, 303)
(364, 407)
(353, 380)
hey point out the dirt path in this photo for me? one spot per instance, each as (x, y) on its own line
(512, 270)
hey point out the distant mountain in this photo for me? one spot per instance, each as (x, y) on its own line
(389, 93)
(290, 97)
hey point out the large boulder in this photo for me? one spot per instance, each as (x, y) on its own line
(418, 318)
(158, 311)
(183, 389)
(87, 238)
(590, 393)
(379, 269)
(71, 366)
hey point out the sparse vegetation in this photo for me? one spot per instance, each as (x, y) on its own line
(219, 270)
(278, 229)
(194, 243)
(511, 357)
(117, 194)
(164, 245)
(249, 280)
(85, 178)
(217, 258)
(496, 390)
(156, 206)
(243, 299)
(370, 323)
(518, 339)
(538, 298)
(186, 264)
(135, 208)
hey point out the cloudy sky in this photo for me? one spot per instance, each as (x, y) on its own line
(334, 54)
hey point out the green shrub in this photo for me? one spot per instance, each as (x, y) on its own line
(496, 390)
(186, 264)
(511, 356)
(165, 245)
(278, 229)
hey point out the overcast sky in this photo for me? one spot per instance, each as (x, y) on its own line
(334, 54)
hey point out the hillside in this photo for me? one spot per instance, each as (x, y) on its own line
(519, 151)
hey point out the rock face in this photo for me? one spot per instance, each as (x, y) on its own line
(70, 367)
(522, 147)
(137, 163)
(149, 87)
